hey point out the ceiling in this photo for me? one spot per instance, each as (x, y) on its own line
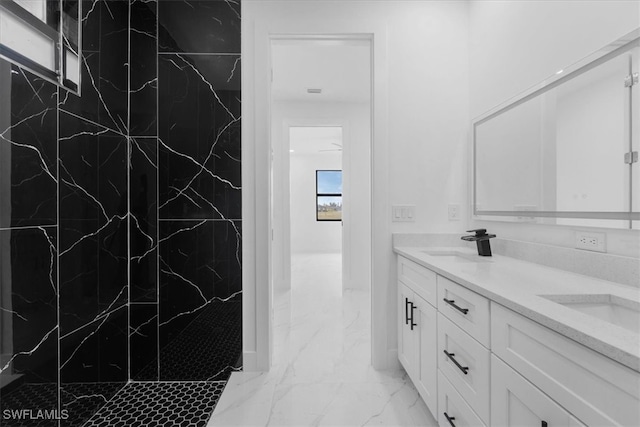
(341, 68)
(314, 139)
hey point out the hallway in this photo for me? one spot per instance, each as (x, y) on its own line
(321, 373)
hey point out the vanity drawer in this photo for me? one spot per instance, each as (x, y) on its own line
(454, 406)
(418, 278)
(465, 308)
(517, 402)
(473, 385)
(595, 389)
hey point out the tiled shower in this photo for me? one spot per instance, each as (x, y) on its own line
(120, 220)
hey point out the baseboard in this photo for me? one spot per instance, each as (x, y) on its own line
(392, 360)
(250, 361)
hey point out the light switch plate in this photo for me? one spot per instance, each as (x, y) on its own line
(403, 213)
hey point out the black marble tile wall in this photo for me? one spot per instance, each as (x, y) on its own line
(199, 136)
(105, 79)
(143, 93)
(93, 162)
(28, 242)
(143, 208)
(93, 353)
(28, 298)
(143, 112)
(199, 189)
(143, 333)
(200, 279)
(93, 222)
(120, 210)
(28, 175)
(199, 26)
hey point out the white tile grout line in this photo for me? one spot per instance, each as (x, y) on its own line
(202, 53)
(84, 119)
(28, 227)
(157, 58)
(129, 153)
(59, 380)
(179, 382)
(199, 219)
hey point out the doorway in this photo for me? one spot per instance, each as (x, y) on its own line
(321, 126)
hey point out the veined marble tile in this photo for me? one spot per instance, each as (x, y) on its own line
(321, 373)
(368, 404)
(247, 400)
(28, 174)
(199, 131)
(218, 23)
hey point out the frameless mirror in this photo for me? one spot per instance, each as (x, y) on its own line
(43, 36)
(565, 152)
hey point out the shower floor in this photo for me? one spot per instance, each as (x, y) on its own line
(143, 404)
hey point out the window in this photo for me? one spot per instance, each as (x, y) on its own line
(329, 195)
(43, 37)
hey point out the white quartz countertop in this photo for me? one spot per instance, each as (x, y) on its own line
(520, 285)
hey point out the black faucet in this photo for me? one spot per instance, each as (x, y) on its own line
(482, 240)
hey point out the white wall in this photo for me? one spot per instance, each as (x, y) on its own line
(420, 121)
(307, 234)
(517, 44)
(436, 64)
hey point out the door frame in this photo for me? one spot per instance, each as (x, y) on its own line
(257, 198)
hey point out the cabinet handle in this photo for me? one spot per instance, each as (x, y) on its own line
(462, 368)
(412, 324)
(544, 424)
(406, 311)
(452, 304)
(450, 419)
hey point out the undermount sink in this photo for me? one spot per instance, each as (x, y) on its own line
(455, 255)
(610, 308)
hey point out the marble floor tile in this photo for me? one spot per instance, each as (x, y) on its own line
(321, 373)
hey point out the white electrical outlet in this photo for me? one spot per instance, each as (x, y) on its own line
(591, 241)
(454, 212)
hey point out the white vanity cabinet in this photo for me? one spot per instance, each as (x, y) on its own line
(478, 363)
(417, 332)
(425, 334)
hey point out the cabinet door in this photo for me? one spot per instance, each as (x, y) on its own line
(427, 363)
(406, 340)
(517, 402)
